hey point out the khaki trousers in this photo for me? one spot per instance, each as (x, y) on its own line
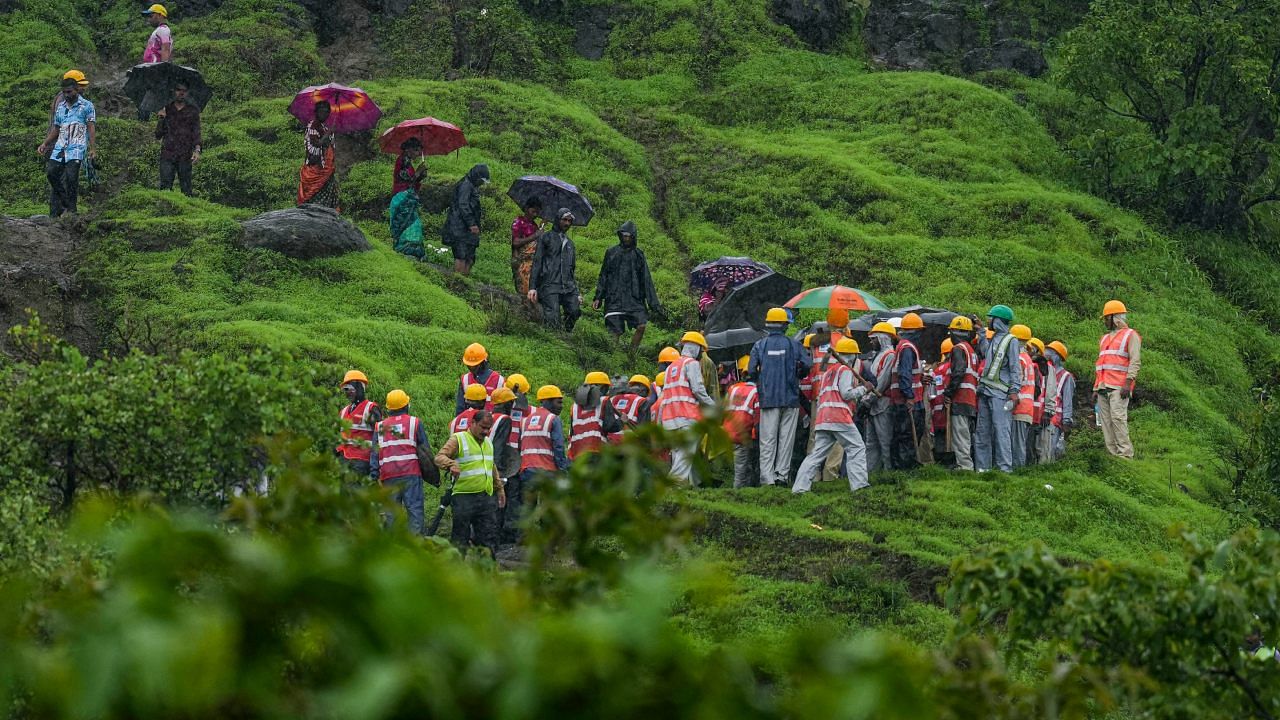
(1114, 411)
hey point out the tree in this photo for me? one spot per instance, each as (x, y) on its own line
(1197, 84)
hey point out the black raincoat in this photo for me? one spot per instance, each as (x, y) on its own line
(625, 284)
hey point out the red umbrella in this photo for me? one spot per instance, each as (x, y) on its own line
(350, 109)
(438, 137)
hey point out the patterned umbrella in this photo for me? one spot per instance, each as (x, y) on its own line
(836, 296)
(438, 137)
(554, 194)
(351, 109)
(728, 271)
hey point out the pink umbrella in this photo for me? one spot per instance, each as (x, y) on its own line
(351, 109)
(438, 137)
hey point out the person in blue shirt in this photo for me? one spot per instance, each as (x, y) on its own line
(777, 363)
(73, 137)
(997, 393)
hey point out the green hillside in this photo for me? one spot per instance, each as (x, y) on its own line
(918, 187)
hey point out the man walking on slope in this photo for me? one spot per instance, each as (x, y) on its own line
(777, 363)
(553, 279)
(625, 288)
(1119, 359)
(402, 457)
(683, 399)
(838, 390)
(998, 393)
(1064, 393)
(962, 391)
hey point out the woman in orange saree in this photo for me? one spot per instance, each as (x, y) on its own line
(318, 181)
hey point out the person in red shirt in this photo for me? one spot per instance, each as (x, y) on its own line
(524, 242)
(410, 170)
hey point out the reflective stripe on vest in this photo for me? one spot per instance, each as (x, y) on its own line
(1026, 391)
(536, 447)
(678, 402)
(991, 373)
(937, 402)
(917, 376)
(967, 394)
(627, 405)
(497, 418)
(810, 380)
(517, 423)
(1037, 404)
(357, 441)
(397, 447)
(462, 422)
(833, 412)
(742, 410)
(475, 462)
(1063, 374)
(1112, 367)
(585, 430)
(493, 382)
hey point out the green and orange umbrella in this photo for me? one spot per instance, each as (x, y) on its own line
(832, 297)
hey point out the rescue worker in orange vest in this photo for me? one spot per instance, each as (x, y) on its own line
(907, 394)
(591, 417)
(519, 385)
(1064, 399)
(402, 457)
(683, 399)
(478, 494)
(476, 358)
(741, 419)
(838, 391)
(1039, 441)
(541, 450)
(475, 399)
(358, 418)
(631, 406)
(880, 408)
(1024, 406)
(1119, 359)
(962, 390)
(939, 378)
(506, 454)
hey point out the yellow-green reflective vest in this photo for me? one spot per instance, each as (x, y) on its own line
(475, 458)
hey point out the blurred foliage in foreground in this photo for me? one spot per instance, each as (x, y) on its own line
(300, 603)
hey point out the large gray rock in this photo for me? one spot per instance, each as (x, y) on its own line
(38, 263)
(821, 24)
(953, 36)
(305, 232)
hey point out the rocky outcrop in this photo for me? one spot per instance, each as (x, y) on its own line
(306, 232)
(37, 272)
(952, 36)
(821, 24)
(592, 25)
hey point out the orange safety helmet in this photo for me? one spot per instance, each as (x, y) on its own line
(668, 355)
(1113, 307)
(1058, 347)
(912, 321)
(474, 355)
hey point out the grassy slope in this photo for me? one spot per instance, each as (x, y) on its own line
(918, 187)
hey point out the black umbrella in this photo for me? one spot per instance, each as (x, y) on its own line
(729, 345)
(150, 85)
(746, 305)
(935, 330)
(554, 194)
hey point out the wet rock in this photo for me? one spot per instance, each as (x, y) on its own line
(305, 232)
(821, 24)
(37, 272)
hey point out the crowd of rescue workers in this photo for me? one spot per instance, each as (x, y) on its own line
(996, 399)
(993, 397)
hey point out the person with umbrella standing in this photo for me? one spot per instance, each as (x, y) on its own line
(73, 136)
(179, 130)
(524, 242)
(461, 230)
(553, 279)
(625, 288)
(318, 179)
(406, 179)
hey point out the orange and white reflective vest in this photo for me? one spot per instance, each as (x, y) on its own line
(1063, 374)
(967, 393)
(937, 400)
(808, 384)
(917, 376)
(397, 447)
(357, 440)
(627, 406)
(678, 402)
(1037, 403)
(536, 447)
(1026, 391)
(491, 383)
(833, 412)
(585, 429)
(742, 412)
(1112, 368)
(462, 422)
